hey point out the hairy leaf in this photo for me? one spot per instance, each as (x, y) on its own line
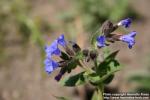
(92, 77)
(108, 62)
(74, 80)
(109, 79)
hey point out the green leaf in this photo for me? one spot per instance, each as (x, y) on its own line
(92, 77)
(107, 64)
(74, 80)
(110, 72)
(109, 79)
(112, 56)
(107, 68)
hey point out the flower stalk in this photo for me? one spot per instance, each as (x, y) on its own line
(101, 72)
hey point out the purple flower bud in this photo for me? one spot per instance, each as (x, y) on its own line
(101, 41)
(129, 38)
(59, 76)
(126, 23)
(50, 65)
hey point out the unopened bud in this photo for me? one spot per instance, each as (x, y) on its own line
(93, 54)
(85, 52)
(108, 28)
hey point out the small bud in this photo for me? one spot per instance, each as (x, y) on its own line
(58, 77)
(75, 46)
(60, 74)
(108, 28)
(85, 52)
(93, 55)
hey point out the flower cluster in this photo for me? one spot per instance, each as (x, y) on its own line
(71, 56)
(50, 64)
(96, 71)
(67, 56)
(128, 38)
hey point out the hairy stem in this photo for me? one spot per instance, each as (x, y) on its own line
(100, 92)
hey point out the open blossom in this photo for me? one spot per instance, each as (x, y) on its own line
(50, 65)
(126, 22)
(101, 41)
(51, 50)
(129, 38)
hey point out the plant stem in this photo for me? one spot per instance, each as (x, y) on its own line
(100, 92)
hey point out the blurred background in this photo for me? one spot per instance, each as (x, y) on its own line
(27, 25)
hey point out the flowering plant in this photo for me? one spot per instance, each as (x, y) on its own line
(101, 72)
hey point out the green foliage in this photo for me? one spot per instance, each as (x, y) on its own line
(15, 15)
(109, 79)
(103, 74)
(74, 80)
(108, 64)
(92, 78)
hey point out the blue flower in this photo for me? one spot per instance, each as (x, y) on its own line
(126, 22)
(52, 49)
(61, 40)
(101, 41)
(129, 38)
(50, 65)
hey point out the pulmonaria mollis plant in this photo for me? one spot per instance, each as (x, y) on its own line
(101, 72)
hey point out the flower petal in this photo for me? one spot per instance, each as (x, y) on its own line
(50, 65)
(129, 38)
(101, 41)
(61, 40)
(52, 49)
(133, 33)
(126, 22)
